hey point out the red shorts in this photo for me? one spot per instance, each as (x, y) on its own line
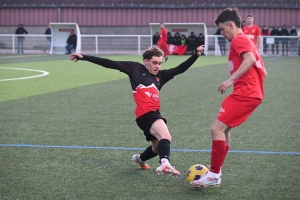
(236, 109)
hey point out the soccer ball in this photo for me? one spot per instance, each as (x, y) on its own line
(195, 172)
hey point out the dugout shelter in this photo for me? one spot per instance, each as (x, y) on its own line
(60, 33)
(182, 28)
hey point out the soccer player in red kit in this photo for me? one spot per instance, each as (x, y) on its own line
(162, 42)
(146, 81)
(247, 76)
(253, 31)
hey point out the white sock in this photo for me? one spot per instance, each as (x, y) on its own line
(165, 161)
(209, 173)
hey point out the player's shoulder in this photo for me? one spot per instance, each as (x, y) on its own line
(255, 26)
(240, 38)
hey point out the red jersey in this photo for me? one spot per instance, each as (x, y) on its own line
(163, 36)
(250, 84)
(252, 32)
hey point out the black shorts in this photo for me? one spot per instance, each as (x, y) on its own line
(145, 122)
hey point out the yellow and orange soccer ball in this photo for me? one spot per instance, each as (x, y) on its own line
(195, 172)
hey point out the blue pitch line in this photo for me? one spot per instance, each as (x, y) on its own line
(139, 149)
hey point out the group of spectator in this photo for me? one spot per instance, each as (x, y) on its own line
(286, 43)
(71, 41)
(192, 41)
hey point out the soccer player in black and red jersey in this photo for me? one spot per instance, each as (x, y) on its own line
(146, 81)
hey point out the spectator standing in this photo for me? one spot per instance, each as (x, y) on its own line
(71, 42)
(284, 40)
(201, 41)
(293, 41)
(253, 31)
(48, 32)
(265, 32)
(221, 41)
(192, 43)
(21, 31)
(275, 32)
(162, 42)
(177, 39)
(155, 38)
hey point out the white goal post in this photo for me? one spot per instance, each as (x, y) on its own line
(60, 33)
(182, 28)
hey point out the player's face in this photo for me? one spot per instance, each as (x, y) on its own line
(226, 30)
(250, 20)
(153, 65)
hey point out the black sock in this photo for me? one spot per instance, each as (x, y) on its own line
(163, 148)
(147, 154)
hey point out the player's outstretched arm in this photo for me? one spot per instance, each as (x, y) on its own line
(99, 61)
(188, 63)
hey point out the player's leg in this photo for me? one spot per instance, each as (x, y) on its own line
(164, 47)
(145, 122)
(213, 176)
(227, 138)
(150, 152)
(160, 130)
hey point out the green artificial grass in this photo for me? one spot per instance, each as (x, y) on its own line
(71, 134)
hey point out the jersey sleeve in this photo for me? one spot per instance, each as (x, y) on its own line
(169, 74)
(241, 45)
(258, 30)
(126, 67)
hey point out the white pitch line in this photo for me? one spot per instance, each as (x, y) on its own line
(23, 56)
(44, 73)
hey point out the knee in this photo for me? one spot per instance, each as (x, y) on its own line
(214, 130)
(168, 137)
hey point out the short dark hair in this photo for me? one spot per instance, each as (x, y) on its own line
(152, 51)
(229, 14)
(250, 15)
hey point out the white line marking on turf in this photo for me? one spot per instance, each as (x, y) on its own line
(23, 56)
(44, 73)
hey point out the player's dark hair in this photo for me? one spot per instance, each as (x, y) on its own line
(250, 15)
(229, 14)
(152, 51)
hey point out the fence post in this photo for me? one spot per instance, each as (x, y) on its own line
(139, 43)
(216, 46)
(13, 44)
(96, 38)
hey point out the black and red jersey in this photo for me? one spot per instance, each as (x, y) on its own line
(145, 86)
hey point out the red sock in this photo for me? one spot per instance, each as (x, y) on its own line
(217, 154)
(227, 148)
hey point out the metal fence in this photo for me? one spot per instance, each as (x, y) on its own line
(133, 44)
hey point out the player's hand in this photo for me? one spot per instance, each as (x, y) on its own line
(200, 49)
(74, 56)
(225, 85)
